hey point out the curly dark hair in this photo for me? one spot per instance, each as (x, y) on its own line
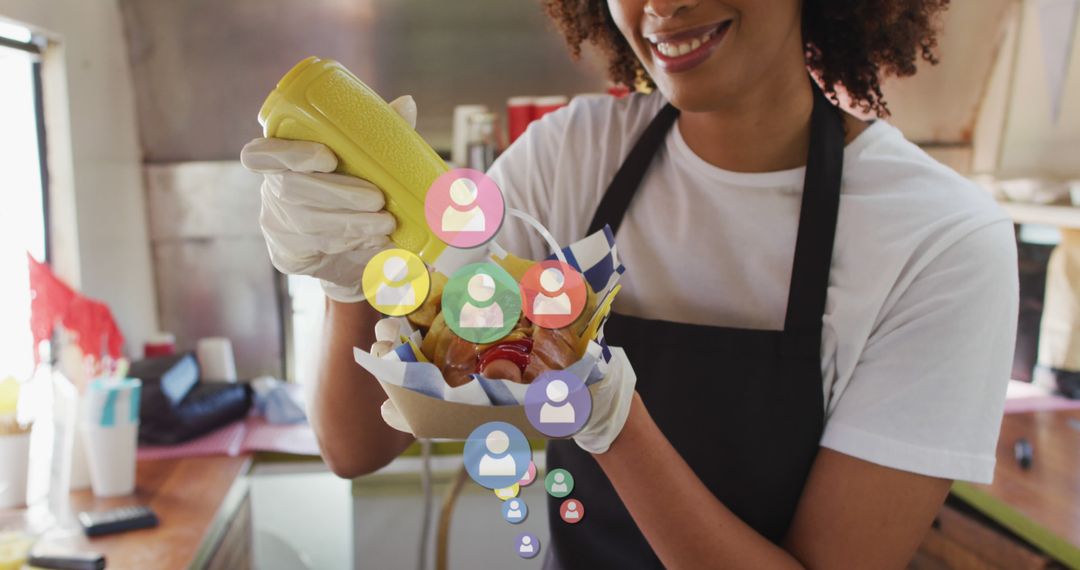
(848, 43)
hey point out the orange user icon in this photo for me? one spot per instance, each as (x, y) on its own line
(553, 294)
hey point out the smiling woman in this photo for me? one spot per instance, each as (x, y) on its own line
(795, 319)
(800, 291)
(851, 43)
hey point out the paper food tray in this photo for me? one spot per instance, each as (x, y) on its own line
(433, 409)
(434, 418)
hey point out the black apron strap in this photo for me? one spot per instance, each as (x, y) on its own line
(624, 185)
(763, 405)
(817, 220)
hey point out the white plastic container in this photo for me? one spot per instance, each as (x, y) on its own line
(14, 465)
(80, 466)
(460, 132)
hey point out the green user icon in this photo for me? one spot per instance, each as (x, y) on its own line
(481, 303)
(559, 483)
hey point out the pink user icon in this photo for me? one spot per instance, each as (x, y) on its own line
(464, 208)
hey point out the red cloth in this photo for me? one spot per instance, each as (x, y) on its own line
(52, 301)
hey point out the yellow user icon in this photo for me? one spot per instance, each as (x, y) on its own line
(396, 282)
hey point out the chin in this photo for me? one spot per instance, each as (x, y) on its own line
(699, 91)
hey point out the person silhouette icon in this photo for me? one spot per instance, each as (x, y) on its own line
(464, 208)
(497, 455)
(557, 410)
(527, 546)
(481, 303)
(395, 282)
(458, 216)
(395, 270)
(554, 293)
(497, 443)
(559, 484)
(551, 299)
(571, 511)
(514, 510)
(481, 288)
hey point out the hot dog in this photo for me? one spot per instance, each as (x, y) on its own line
(522, 355)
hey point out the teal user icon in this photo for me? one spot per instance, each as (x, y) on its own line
(481, 303)
(559, 483)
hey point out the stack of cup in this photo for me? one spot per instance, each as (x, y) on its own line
(110, 432)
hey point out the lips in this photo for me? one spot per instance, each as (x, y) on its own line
(683, 50)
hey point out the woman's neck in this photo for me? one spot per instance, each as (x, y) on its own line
(764, 130)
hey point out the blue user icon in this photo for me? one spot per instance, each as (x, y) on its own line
(497, 455)
(514, 510)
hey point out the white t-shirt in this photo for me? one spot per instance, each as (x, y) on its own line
(920, 319)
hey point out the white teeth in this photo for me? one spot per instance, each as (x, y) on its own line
(671, 49)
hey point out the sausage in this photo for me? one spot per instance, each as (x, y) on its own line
(502, 369)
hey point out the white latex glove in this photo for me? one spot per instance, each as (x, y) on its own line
(316, 222)
(611, 399)
(386, 334)
(393, 417)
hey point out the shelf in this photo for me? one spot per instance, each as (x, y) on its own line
(1060, 216)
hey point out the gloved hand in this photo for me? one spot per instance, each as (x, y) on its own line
(387, 332)
(611, 399)
(316, 222)
(611, 396)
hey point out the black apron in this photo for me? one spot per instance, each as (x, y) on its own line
(745, 408)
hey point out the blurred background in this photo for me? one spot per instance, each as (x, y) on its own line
(123, 122)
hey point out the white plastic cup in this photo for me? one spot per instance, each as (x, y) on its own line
(216, 361)
(110, 451)
(14, 465)
(109, 429)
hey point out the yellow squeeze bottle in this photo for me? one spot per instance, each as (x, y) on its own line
(319, 100)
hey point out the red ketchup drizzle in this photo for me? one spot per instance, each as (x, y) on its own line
(516, 351)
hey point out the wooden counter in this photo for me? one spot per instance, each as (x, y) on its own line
(202, 511)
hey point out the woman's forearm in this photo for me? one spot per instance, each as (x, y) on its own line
(683, 521)
(345, 400)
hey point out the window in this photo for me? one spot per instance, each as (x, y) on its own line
(22, 193)
(304, 312)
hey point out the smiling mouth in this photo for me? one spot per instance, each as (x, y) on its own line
(682, 50)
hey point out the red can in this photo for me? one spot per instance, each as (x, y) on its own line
(161, 344)
(519, 113)
(545, 105)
